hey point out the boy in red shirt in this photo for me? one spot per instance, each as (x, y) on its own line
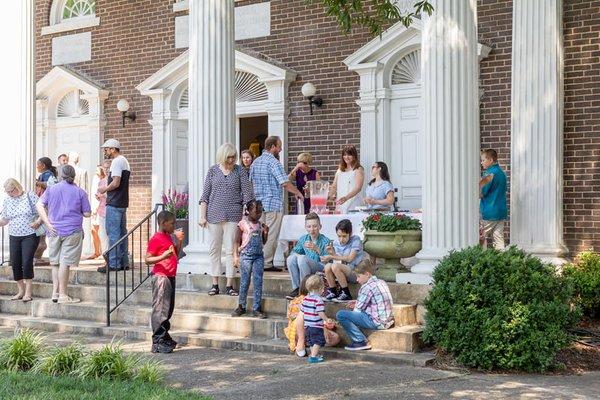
(162, 252)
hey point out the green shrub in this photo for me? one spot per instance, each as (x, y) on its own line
(150, 372)
(108, 362)
(60, 360)
(504, 310)
(584, 274)
(21, 352)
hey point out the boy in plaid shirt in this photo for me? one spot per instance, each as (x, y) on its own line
(371, 310)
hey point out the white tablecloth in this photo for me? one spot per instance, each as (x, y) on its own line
(292, 226)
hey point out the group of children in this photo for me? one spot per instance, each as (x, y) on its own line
(342, 260)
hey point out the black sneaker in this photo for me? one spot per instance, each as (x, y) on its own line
(293, 294)
(259, 314)
(238, 312)
(101, 269)
(343, 297)
(331, 294)
(170, 342)
(162, 348)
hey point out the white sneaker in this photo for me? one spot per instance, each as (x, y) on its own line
(301, 353)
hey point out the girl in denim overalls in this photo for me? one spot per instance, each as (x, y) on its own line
(248, 256)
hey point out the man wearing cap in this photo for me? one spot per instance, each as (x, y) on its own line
(117, 201)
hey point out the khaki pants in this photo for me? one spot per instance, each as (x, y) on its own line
(496, 229)
(222, 237)
(273, 220)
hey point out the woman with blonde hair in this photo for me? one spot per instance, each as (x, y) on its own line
(348, 182)
(226, 190)
(22, 219)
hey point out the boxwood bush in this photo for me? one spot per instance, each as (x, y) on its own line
(499, 310)
(584, 274)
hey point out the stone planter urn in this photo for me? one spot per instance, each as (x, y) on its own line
(183, 224)
(391, 247)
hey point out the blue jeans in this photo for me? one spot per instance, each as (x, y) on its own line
(301, 266)
(352, 321)
(116, 228)
(251, 265)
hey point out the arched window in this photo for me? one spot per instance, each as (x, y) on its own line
(248, 87)
(184, 100)
(68, 9)
(408, 69)
(72, 105)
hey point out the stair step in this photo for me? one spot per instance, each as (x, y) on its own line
(404, 314)
(274, 284)
(399, 338)
(206, 339)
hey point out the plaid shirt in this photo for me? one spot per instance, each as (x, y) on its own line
(267, 176)
(375, 299)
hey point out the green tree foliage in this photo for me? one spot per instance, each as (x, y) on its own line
(584, 274)
(499, 310)
(375, 15)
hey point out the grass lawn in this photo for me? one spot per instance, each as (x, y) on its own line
(29, 386)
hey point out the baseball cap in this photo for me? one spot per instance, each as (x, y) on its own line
(112, 143)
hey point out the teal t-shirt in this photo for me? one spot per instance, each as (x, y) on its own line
(322, 242)
(492, 204)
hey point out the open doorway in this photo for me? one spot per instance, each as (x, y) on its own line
(252, 133)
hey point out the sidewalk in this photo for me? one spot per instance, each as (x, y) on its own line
(228, 374)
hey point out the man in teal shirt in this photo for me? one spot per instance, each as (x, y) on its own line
(492, 205)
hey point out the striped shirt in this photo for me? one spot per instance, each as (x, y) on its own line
(375, 299)
(311, 306)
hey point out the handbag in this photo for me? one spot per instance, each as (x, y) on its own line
(40, 230)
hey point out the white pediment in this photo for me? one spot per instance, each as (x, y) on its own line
(391, 41)
(61, 79)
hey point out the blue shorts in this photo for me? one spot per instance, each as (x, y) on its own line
(315, 336)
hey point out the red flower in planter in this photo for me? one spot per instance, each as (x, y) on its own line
(376, 217)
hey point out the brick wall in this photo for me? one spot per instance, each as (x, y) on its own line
(136, 38)
(582, 125)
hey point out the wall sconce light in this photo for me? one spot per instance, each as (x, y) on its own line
(123, 107)
(309, 90)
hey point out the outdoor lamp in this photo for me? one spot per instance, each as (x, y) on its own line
(123, 107)
(309, 90)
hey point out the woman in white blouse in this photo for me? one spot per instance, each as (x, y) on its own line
(348, 182)
(22, 219)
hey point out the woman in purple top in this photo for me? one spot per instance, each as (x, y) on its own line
(301, 174)
(226, 189)
(67, 204)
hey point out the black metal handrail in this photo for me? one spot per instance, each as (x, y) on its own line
(127, 291)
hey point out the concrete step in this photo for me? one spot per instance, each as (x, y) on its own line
(275, 284)
(206, 339)
(404, 314)
(399, 338)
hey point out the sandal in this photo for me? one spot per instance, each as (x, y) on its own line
(17, 297)
(213, 291)
(231, 291)
(27, 299)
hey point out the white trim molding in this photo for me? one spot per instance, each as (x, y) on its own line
(57, 23)
(50, 90)
(166, 87)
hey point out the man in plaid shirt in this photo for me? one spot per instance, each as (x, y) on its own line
(371, 310)
(268, 180)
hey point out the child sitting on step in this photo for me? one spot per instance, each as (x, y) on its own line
(295, 329)
(344, 255)
(162, 252)
(371, 310)
(313, 310)
(248, 256)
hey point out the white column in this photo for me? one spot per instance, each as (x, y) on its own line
(17, 106)
(370, 131)
(211, 110)
(536, 217)
(451, 134)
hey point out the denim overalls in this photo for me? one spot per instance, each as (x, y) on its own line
(252, 263)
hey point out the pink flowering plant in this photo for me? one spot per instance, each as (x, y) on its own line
(176, 202)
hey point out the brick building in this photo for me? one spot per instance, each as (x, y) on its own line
(90, 54)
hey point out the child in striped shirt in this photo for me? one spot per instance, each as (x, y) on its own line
(313, 309)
